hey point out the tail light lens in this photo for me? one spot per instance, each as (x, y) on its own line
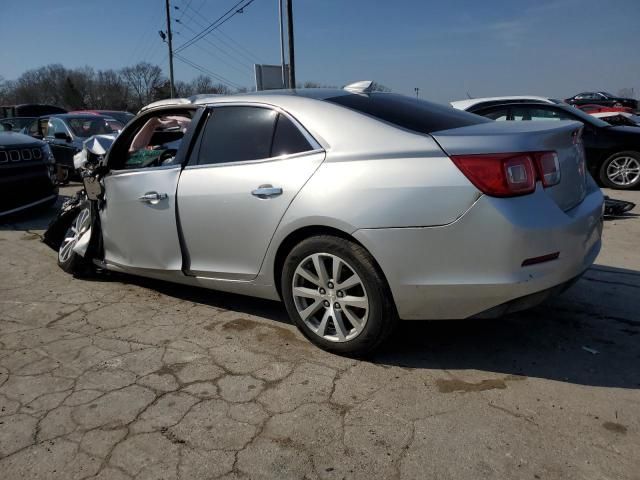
(548, 168)
(509, 174)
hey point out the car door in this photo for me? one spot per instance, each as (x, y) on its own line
(251, 162)
(62, 148)
(138, 219)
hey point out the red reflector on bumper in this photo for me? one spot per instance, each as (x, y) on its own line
(542, 259)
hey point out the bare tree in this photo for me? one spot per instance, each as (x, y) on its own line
(145, 81)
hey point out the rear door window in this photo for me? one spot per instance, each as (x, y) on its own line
(237, 134)
(288, 139)
(409, 113)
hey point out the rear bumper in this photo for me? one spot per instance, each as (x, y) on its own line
(475, 263)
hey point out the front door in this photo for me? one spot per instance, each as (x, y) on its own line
(251, 163)
(138, 219)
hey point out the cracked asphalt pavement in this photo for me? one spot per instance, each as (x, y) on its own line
(116, 377)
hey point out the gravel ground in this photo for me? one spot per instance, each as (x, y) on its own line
(115, 377)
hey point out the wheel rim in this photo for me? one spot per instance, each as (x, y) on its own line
(623, 171)
(330, 297)
(71, 237)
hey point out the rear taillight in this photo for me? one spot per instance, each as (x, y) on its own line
(548, 168)
(509, 174)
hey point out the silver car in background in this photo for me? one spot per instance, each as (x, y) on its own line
(354, 208)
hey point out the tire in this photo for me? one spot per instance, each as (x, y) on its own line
(351, 321)
(68, 260)
(621, 171)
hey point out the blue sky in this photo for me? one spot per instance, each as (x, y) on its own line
(485, 47)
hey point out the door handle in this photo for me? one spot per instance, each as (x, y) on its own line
(153, 197)
(266, 191)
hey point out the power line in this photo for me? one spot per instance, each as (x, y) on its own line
(217, 23)
(206, 71)
(249, 56)
(245, 65)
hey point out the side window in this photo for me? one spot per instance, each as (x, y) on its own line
(156, 141)
(236, 134)
(500, 114)
(288, 139)
(55, 126)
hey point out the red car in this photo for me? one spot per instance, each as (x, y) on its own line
(122, 117)
(591, 108)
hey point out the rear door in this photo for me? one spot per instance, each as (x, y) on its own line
(250, 162)
(63, 149)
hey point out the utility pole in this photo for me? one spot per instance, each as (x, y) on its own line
(292, 64)
(171, 84)
(282, 60)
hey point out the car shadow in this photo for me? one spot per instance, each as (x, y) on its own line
(589, 336)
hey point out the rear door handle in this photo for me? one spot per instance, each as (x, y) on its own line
(266, 191)
(153, 197)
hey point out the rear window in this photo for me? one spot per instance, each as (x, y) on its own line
(410, 113)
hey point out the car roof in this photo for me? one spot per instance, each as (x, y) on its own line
(471, 102)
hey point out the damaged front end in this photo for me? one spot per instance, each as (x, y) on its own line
(88, 241)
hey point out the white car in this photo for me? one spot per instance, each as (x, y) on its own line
(472, 104)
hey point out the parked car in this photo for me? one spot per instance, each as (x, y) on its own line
(471, 104)
(16, 124)
(120, 116)
(355, 208)
(26, 173)
(613, 153)
(599, 108)
(602, 98)
(622, 119)
(29, 110)
(65, 133)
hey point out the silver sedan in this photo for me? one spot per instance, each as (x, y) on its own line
(355, 208)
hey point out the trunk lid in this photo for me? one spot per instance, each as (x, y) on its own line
(562, 137)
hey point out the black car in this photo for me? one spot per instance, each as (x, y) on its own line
(65, 134)
(602, 98)
(26, 173)
(612, 153)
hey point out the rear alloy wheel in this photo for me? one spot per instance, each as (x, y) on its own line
(336, 295)
(621, 171)
(69, 260)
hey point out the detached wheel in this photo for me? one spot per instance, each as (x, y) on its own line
(337, 296)
(621, 171)
(69, 260)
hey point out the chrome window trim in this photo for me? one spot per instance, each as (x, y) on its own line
(144, 169)
(259, 160)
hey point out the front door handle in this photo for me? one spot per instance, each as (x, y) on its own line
(266, 191)
(153, 197)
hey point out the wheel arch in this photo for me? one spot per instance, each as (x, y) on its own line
(302, 233)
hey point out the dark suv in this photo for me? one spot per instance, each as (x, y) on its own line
(26, 173)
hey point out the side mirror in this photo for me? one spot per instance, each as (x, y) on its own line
(62, 136)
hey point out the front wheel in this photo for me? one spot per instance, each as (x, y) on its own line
(69, 260)
(337, 296)
(621, 171)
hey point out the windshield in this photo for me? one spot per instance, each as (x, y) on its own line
(608, 94)
(86, 127)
